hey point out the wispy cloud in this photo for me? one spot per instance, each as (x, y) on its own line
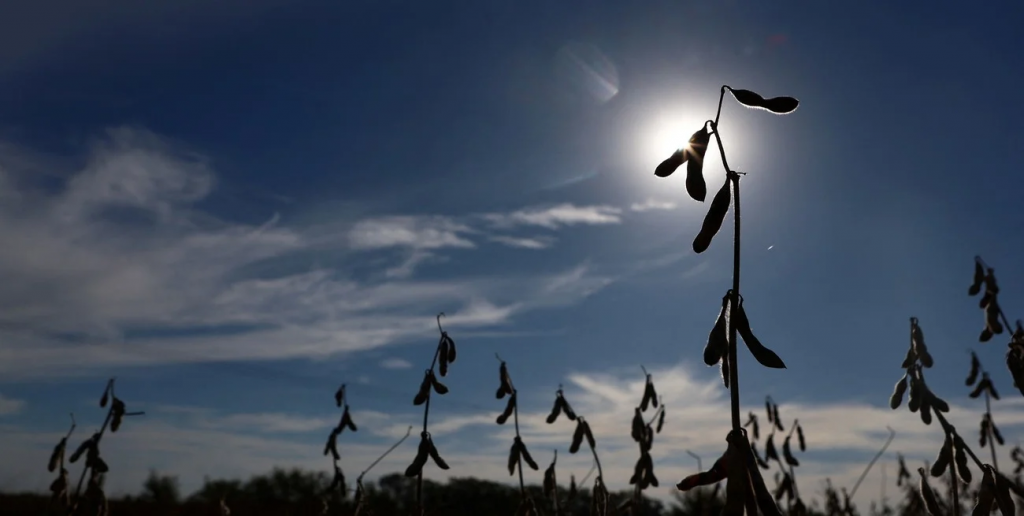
(395, 363)
(409, 231)
(554, 217)
(652, 204)
(525, 243)
(86, 259)
(10, 406)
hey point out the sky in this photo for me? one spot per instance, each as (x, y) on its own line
(235, 208)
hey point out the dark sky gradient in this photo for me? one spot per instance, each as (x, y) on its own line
(861, 209)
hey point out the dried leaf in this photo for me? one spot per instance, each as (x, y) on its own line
(513, 457)
(506, 384)
(714, 218)
(723, 369)
(979, 278)
(986, 494)
(960, 457)
(509, 408)
(764, 356)
(637, 432)
(589, 435)
(332, 445)
(442, 353)
(1002, 494)
(788, 454)
(57, 457)
(944, 458)
(577, 437)
(661, 420)
(567, 409)
(930, 503)
(439, 387)
(800, 437)
(898, 392)
(695, 150)
(776, 419)
(436, 456)
(416, 468)
(339, 395)
(526, 456)
(975, 367)
(717, 346)
(424, 392)
(667, 167)
(917, 342)
(556, 409)
(777, 105)
(346, 421)
(769, 448)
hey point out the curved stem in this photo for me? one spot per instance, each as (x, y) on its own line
(732, 176)
(439, 316)
(892, 435)
(734, 380)
(385, 454)
(721, 97)
(700, 467)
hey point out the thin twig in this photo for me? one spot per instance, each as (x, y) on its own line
(385, 454)
(892, 435)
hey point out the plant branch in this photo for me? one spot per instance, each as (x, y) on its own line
(515, 418)
(888, 441)
(989, 432)
(385, 454)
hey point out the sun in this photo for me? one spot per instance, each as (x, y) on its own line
(671, 134)
(668, 131)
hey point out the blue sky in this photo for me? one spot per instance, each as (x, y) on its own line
(233, 209)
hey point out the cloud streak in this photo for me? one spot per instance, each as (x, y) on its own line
(555, 217)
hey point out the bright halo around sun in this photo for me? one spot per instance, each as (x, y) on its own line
(668, 132)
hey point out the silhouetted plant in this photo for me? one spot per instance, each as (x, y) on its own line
(338, 482)
(732, 319)
(443, 355)
(996, 320)
(599, 495)
(989, 434)
(59, 488)
(954, 452)
(518, 453)
(643, 433)
(95, 467)
(785, 484)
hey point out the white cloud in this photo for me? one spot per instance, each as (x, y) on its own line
(9, 406)
(409, 231)
(92, 285)
(653, 204)
(525, 243)
(395, 363)
(554, 217)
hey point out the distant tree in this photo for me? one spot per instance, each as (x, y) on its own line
(160, 489)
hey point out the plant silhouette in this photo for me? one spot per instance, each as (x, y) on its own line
(444, 355)
(745, 489)
(953, 455)
(996, 321)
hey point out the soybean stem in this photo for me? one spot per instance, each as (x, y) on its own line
(990, 432)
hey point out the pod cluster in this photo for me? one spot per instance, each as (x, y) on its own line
(985, 284)
(921, 399)
(716, 351)
(642, 433)
(338, 480)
